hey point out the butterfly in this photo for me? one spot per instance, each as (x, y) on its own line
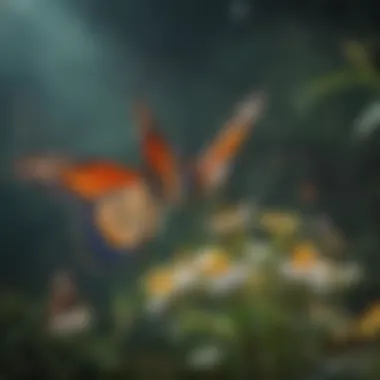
(123, 207)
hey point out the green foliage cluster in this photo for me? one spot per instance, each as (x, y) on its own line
(254, 332)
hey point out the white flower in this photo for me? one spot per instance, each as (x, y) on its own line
(71, 322)
(257, 252)
(185, 276)
(212, 261)
(204, 255)
(236, 276)
(205, 357)
(319, 276)
(323, 275)
(182, 277)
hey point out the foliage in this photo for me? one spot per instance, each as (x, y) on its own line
(242, 306)
(359, 72)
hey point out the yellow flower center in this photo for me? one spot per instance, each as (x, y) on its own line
(215, 264)
(160, 282)
(370, 323)
(305, 256)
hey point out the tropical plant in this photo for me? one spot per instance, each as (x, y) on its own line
(359, 72)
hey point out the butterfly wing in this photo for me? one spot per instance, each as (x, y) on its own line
(111, 201)
(159, 157)
(96, 179)
(124, 212)
(103, 252)
(213, 164)
(42, 169)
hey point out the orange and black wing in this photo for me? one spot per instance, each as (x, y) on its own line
(95, 179)
(213, 164)
(88, 180)
(158, 154)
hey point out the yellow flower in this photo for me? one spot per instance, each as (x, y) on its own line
(230, 219)
(369, 323)
(160, 282)
(214, 262)
(280, 223)
(304, 256)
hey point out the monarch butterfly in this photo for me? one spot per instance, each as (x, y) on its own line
(124, 209)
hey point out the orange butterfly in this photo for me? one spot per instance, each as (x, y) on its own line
(124, 209)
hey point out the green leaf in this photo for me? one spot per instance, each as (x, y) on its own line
(334, 84)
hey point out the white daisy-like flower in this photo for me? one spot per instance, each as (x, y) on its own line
(257, 252)
(204, 357)
(77, 320)
(185, 276)
(210, 257)
(203, 255)
(323, 275)
(319, 276)
(231, 281)
(182, 278)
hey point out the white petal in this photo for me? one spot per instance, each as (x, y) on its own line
(185, 278)
(72, 321)
(257, 252)
(204, 357)
(229, 282)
